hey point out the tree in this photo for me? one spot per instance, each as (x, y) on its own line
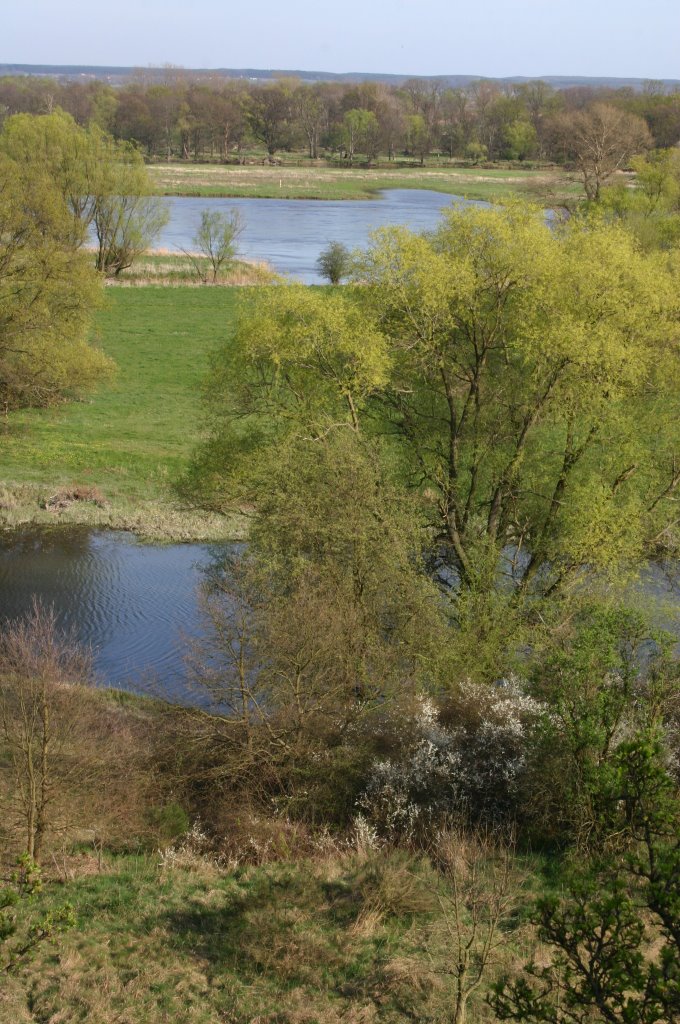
(614, 935)
(499, 334)
(48, 292)
(520, 139)
(125, 215)
(39, 719)
(268, 111)
(216, 240)
(53, 146)
(311, 110)
(334, 262)
(418, 137)
(327, 618)
(650, 209)
(602, 140)
(360, 128)
(481, 893)
(104, 184)
(521, 378)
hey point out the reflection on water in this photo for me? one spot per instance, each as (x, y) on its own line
(290, 233)
(135, 604)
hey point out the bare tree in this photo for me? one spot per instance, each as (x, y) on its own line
(38, 717)
(481, 888)
(602, 140)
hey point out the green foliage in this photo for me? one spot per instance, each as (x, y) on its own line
(126, 217)
(216, 239)
(19, 935)
(360, 130)
(523, 377)
(615, 933)
(604, 676)
(103, 183)
(171, 821)
(521, 139)
(330, 616)
(521, 359)
(48, 293)
(650, 206)
(334, 262)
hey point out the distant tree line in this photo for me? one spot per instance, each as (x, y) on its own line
(184, 118)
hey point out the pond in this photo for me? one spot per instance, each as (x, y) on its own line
(136, 605)
(289, 234)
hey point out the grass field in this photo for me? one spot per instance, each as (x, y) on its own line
(318, 182)
(132, 438)
(342, 939)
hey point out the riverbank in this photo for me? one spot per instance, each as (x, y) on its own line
(120, 451)
(160, 521)
(166, 268)
(321, 182)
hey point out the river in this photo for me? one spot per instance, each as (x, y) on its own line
(135, 605)
(289, 234)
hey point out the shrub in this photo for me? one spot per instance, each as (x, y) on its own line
(334, 262)
(472, 766)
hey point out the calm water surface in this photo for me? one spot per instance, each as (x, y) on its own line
(135, 604)
(290, 233)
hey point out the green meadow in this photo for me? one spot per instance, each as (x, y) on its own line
(319, 182)
(132, 438)
(343, 938)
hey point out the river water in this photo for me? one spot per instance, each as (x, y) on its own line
(136, 605)
(289, 234)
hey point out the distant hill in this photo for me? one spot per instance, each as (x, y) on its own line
(118, 75)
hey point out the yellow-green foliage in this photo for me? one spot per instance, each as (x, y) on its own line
(525, 374)
(48, 288)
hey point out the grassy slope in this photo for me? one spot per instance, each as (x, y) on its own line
(133, 437)
(313, 182)
(330, 940)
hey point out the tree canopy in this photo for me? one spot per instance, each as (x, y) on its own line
(48, 292)
(103, 182)
(520, 377)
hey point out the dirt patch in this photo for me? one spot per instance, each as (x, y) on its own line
(64, 497)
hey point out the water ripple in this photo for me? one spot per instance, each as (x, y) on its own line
(134, 604)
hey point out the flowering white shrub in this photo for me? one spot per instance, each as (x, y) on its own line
(472, 766)
(363, 835)
(195, 848)
(495, 742)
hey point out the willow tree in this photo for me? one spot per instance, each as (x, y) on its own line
(48, 292)
(533, 390)
(104, 183)
(522, 380)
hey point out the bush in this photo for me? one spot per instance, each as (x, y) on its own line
(473, 766)
(334, 262)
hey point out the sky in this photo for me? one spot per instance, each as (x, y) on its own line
(495, 38)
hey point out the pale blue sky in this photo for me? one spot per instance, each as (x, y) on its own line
(482, 37)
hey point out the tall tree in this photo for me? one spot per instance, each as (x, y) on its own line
(524, 376)
(603, 139)
(48, 291)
